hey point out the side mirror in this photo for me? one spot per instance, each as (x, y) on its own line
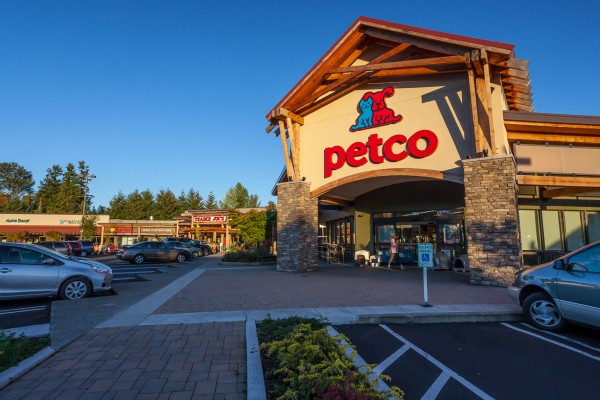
(559, 264)
(49, 261)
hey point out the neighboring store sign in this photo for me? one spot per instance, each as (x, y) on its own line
(121, 230)
(374, 111)
(69, 221)
(16, 221)
(210, 218)
(167, 231)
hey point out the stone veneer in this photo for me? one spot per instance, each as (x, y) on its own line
(297, 227)
(492, 220)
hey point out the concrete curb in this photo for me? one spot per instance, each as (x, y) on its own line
(457, 317)
(254, 373)
(13, 373)
(32, 331)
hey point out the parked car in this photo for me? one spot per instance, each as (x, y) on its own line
(154, 251)
(87, 247)
(60, 247)
(566, 289)
(27, 270)
(194, 251)
(202, 244)
(75, 248)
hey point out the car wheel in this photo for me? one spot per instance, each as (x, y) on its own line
(180, 258)
(203, 252)
(541, 312)
(84, 253)
(138, 259)
(195, 254)
(75, 289)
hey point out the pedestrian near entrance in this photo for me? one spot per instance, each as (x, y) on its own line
(394, 252)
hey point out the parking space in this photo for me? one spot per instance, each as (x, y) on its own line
(483, 360)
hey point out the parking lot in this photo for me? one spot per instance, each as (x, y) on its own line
(27, 312)
(481, 360)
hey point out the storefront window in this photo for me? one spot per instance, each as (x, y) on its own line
(529, 229)
(574, 230)
(450, 234)
(384, 232)
(552, 236)
(593, 224)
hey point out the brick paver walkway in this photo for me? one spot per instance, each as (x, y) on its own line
(208, 360)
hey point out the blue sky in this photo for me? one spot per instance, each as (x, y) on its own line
(172, 94)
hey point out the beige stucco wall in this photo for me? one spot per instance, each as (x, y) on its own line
(440, 104)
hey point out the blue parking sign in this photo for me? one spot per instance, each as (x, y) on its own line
(425, 255)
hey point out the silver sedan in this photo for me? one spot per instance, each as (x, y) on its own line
(28, 270)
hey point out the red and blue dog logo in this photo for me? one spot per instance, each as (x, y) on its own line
(374, 112)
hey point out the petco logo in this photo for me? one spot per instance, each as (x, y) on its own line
(374, 112)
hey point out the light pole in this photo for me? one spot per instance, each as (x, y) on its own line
(87, 177)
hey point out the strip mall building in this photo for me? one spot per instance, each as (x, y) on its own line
(431, 136)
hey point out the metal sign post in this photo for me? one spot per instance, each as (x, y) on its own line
(425, 253)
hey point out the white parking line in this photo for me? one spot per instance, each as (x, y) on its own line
(564, 346)
(565, 338)
(22, 310)
(445, 370)
(390, 360)
(435, 389)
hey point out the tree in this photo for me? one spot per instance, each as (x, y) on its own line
(194, 200)
(15, 180)
(252, 227)
(16, 237)
(139, 205)
(167, 205)
(48, 192)
(70, 193)
(211, 203)
(117, 207)
(88, 226)
(236, 197)
(54, 235)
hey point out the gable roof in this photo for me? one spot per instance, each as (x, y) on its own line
(391, 50)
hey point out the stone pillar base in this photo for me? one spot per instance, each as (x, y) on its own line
(492, 220)
(297, 228)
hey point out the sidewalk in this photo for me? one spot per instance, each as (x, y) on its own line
(188, 339)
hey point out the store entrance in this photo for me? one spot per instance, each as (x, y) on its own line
(446, 235)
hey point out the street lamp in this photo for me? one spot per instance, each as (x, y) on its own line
(87, 177)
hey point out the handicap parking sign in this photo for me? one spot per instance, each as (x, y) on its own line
(425, 255)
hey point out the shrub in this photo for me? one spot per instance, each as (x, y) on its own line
(303, 362)
(247, 256)
(14, 349)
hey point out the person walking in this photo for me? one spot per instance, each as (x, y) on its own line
(394, 252)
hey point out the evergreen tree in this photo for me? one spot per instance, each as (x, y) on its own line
(167, 205)
(194, 200)
(84, 171)
(148, 204)
(134, 206)
(252, 227)
(15, 181)
(117, 207)
(182, 199)
(88, 226)
(48, 192)
(70, 194)
(211, 202)
(253, 201)
(236, 197)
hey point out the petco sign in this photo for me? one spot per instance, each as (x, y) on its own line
(210, 218)
(374, 113)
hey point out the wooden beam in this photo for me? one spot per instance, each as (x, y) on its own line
(387, 55)
(294, 148)
(513, 80)
(476, 61)
(478, 134)
(519, 95)
(515, 72)
(529, 137)
(286, 155)
(552, 180)
(282, 114)
(435, 61)
(336, 201)
(568, 191)
(488, 95)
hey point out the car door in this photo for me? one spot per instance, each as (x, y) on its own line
(23, 273)
(578, 287)
(164, 252)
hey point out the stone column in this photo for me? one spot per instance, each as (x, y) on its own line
(297, 227)
(492, 220)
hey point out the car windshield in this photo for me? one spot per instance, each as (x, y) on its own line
(54, 253)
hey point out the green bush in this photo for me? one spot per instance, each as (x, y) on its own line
(247, 256)
(302, 361)
(14, 349)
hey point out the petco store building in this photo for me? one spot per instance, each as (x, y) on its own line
(432, 137)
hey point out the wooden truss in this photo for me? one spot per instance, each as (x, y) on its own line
(374, 51)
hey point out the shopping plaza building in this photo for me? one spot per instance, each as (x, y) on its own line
(431, 136)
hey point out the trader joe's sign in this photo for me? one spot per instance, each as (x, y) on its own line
(210, 218)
